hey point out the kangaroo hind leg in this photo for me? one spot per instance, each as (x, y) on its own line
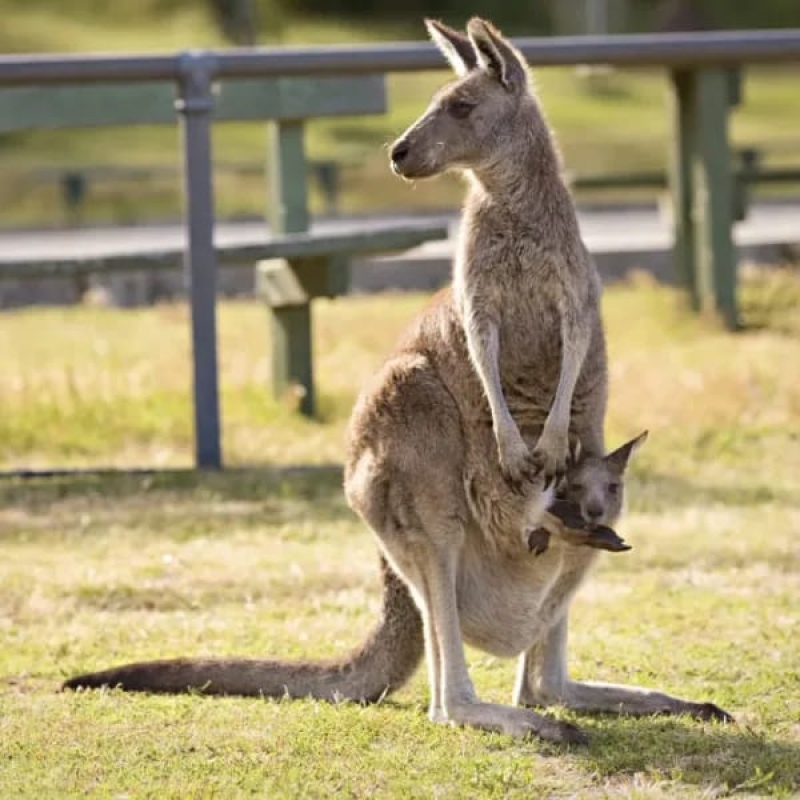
(430, 567)
(542, 680)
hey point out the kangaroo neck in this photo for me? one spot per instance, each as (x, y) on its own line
(524, 185)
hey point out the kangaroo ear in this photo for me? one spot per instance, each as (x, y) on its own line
(497, 55)
(454, 46)
(620, 457)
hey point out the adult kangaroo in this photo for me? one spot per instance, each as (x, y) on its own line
(455, 445)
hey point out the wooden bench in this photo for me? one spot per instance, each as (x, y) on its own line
(296, 262)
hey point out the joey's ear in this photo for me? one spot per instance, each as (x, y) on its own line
(454, 46)
(620, 457)
(497, 55)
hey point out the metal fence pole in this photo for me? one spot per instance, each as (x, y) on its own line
(195, 105)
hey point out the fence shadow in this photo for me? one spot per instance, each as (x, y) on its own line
(318, 485)
(322, 485)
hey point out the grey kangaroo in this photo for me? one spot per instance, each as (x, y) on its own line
(455, 445)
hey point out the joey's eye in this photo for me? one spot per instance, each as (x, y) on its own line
(460, 109)
(576, 487)
(613, 488)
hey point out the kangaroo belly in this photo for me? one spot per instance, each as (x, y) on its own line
(507, 604)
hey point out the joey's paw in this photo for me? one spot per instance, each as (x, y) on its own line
(538, 541)
(516, 464)
(711, 713)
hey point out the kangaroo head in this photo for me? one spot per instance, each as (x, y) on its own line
(596, 484)
(475, 120)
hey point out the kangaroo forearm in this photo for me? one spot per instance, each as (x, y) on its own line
(484, 350)
(575, 344)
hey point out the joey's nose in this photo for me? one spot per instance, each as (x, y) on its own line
(399, 152)
(594, 512)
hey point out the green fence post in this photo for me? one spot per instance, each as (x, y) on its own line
(714, 195)
(292, 364)
(681, 183)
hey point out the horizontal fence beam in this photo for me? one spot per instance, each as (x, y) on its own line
(358, 240)
(658, 180)
(640, 50)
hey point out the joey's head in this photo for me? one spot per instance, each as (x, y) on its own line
(596, 485)
(476, 120)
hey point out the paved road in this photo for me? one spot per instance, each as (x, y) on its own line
(642, 229)
(620, 239)
(604, 231)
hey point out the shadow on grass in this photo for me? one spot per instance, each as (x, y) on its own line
(691, 753)
(320, 486)
(323, 483)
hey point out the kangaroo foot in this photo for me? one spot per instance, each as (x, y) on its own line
(518, 722)
(600, 538)
(579, 532)
(604, 538)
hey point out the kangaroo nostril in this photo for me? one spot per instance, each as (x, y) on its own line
(399, 152)
(594, 512)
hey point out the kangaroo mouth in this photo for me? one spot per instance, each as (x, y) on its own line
(413, 172)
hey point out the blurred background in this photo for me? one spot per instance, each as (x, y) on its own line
(608, 122)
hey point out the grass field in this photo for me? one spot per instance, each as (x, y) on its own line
(622, 128)
(99, 568)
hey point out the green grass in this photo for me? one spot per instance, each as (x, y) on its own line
(266, 559)
(622, 126)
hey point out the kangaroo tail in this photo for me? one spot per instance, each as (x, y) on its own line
(384, 662)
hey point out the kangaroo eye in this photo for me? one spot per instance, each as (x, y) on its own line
(576, 487)
(613, 488)
(460, 109)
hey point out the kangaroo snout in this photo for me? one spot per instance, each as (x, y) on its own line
(413, 157)
(398, 154)
(594, 512)
(399, 151)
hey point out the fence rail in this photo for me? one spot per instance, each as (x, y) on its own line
(670, 50)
